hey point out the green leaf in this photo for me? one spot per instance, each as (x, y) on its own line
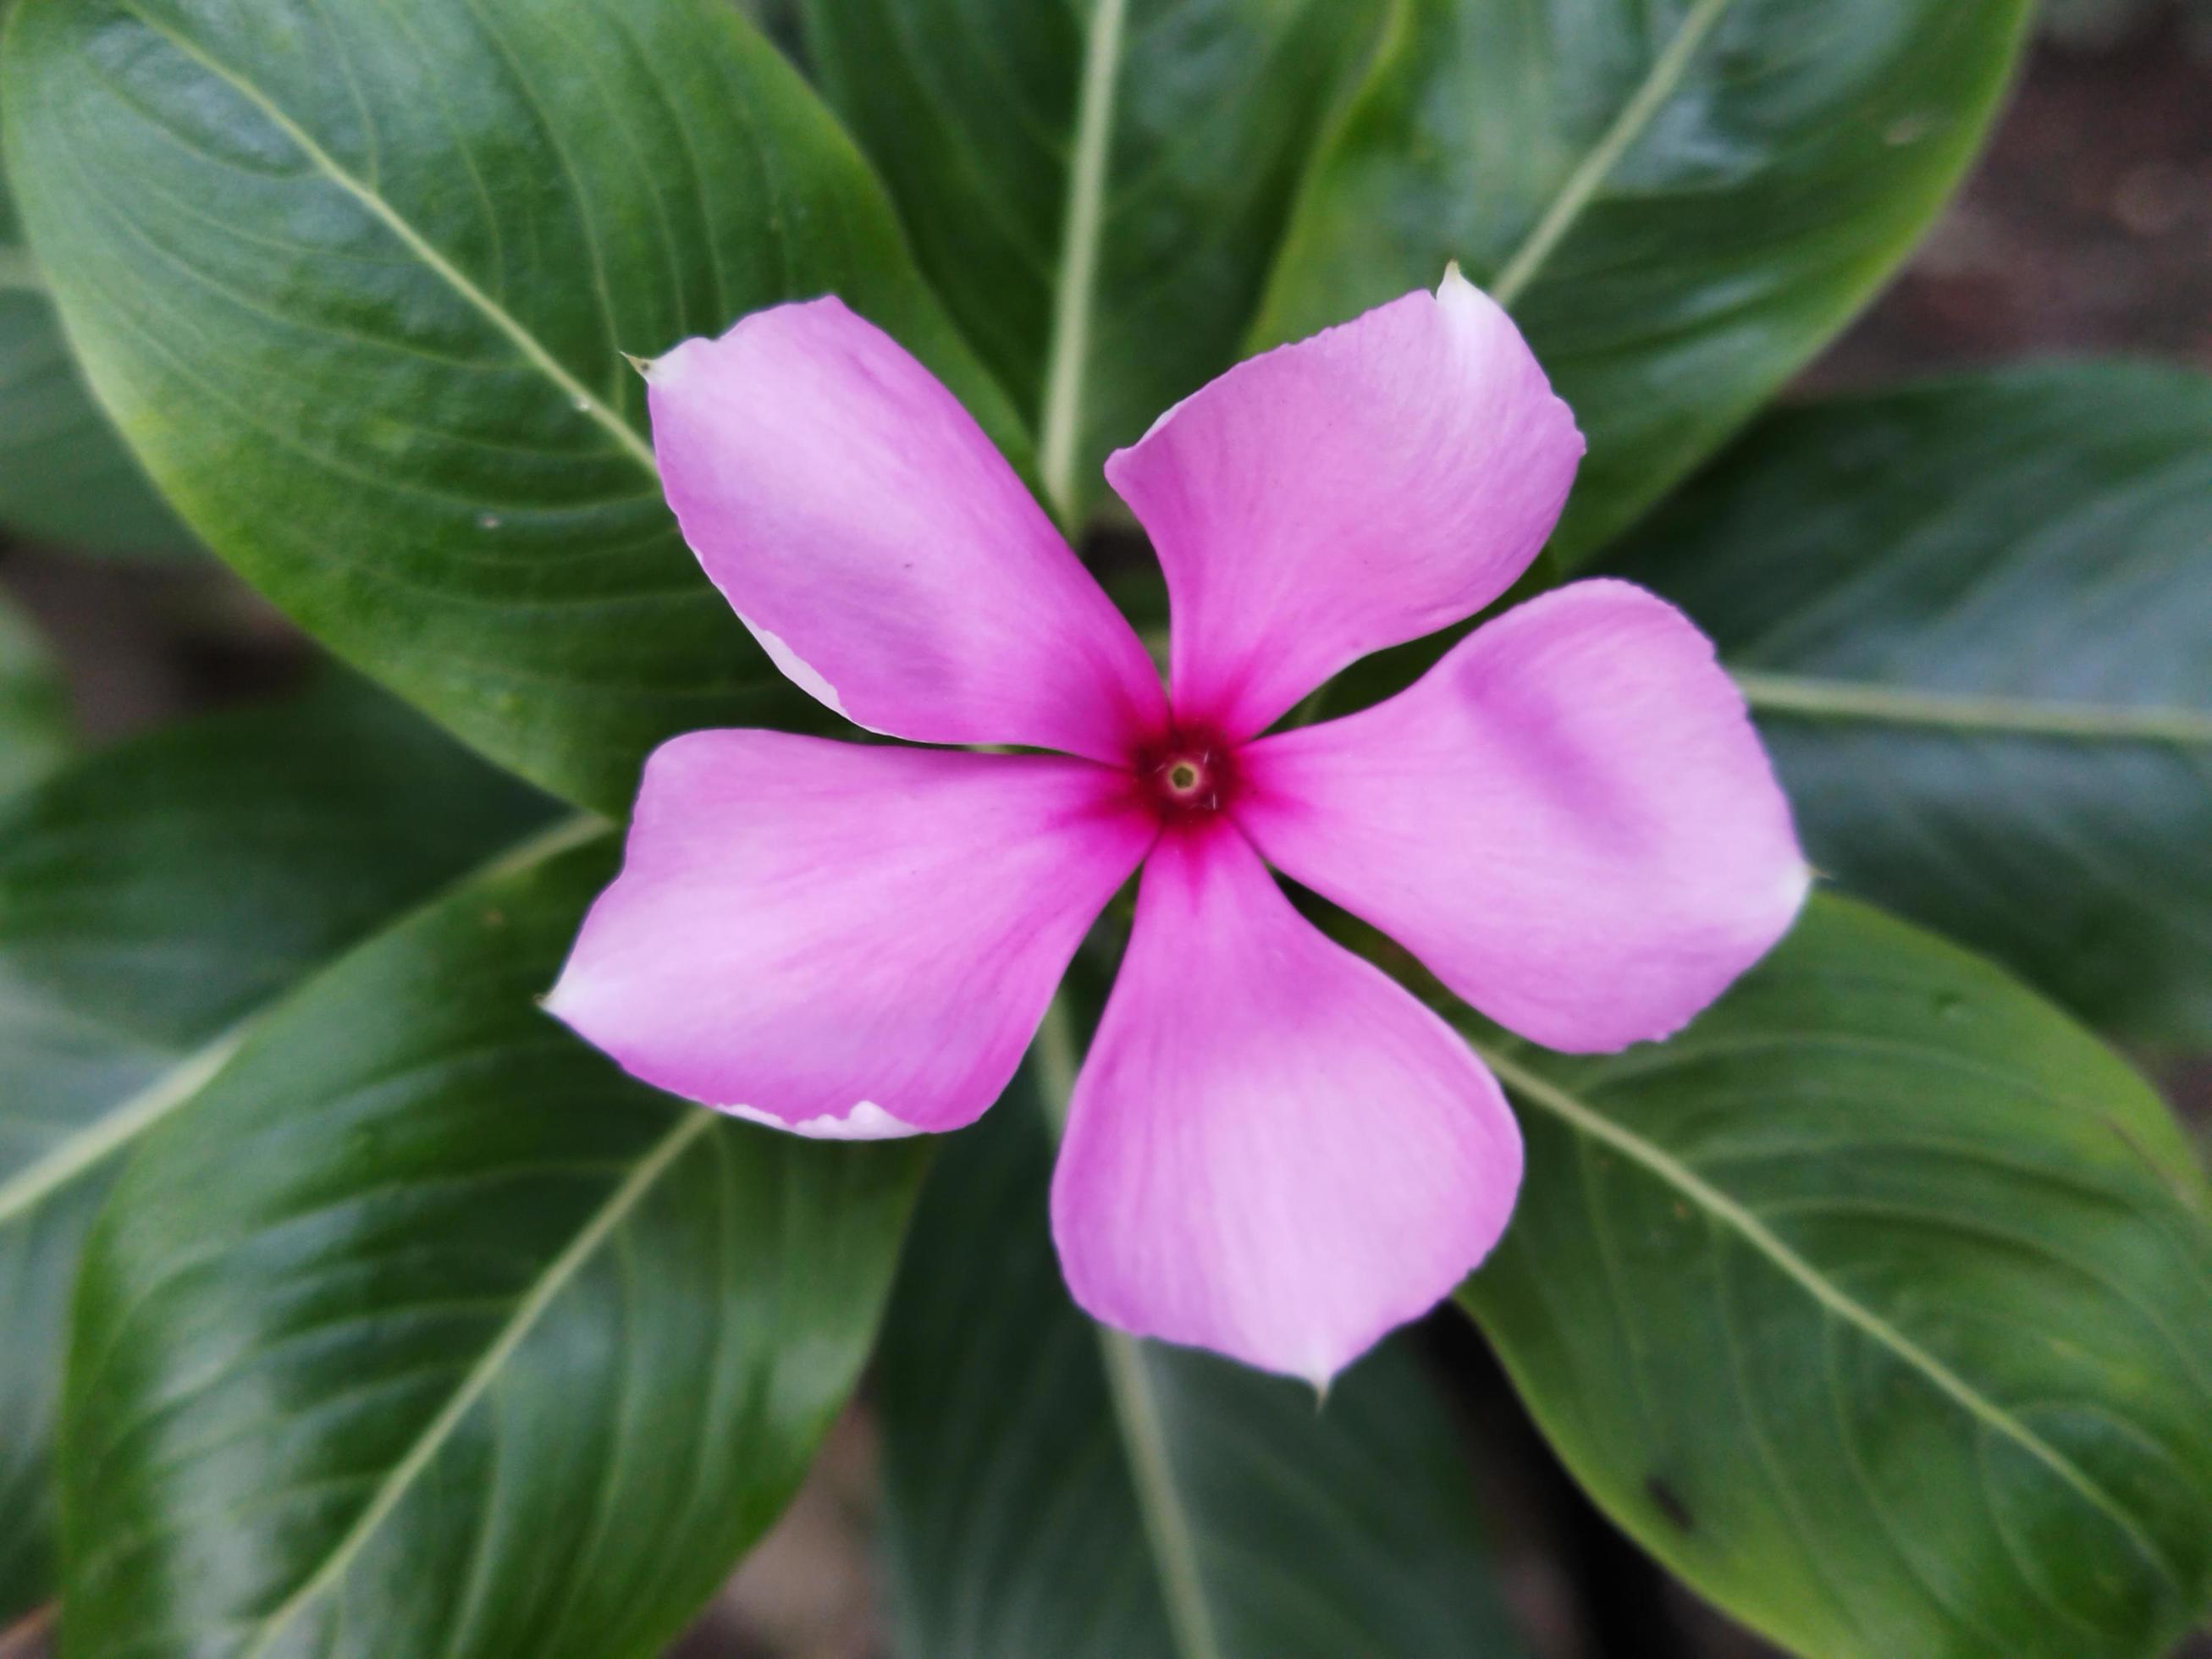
(1680, 200)
(1975, 619)
(153, 900)
(1056, 1488)
(356, 282)
(64, 476)
(430, 1332)
(1878, 1305)
(34, 722)
(1096, 189)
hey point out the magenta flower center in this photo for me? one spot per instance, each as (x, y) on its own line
(1189, 773)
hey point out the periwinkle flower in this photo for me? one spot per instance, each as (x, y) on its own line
(1273, 1149)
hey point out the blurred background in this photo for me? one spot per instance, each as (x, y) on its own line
(2087, 230)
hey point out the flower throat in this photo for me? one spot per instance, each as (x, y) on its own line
(1188, 775)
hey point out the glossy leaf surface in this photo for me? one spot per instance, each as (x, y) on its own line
(356, 282)
(428, 1332)
(154, 898)
(1878, 1305)
(1975, 617)
(1679, 200)
(1054, 1488)
(64, 476)
(1097, 189)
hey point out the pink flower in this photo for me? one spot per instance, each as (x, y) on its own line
(1273, 1151)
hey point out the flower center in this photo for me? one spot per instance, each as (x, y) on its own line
(1187, 775)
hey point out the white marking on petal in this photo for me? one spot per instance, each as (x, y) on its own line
(1474, 324)
(865, 1121)
(673, 364)
(1456, 293)
(794, 667)
(1794, 888)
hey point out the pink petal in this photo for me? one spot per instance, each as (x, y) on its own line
(880, 549)
(842, 940)
(1273, 1151)
(1374, 483)
(1570, 819)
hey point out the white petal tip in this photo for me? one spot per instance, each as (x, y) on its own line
(1470, 313)
(1794, 888)
(865, 1121)
(1456, 291)
(644, 366)
(664, 373)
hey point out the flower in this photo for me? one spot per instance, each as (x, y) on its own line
(1272, 1150)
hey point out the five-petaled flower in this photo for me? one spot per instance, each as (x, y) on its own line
(1272, 1150)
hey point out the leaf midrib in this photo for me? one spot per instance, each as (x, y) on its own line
(1076, 295)
(1534, 1087)
(20, 272)
(1817, 698)
(111, 1130)
(1166, 1519)
(579, 396)
(528, 1309)
(1659, 84)
(1055, 1058)
(114, 1127)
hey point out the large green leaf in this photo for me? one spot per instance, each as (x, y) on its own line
(1975, 617)
(64, 476)
(426, 1331)
(1054, 1488)
(1096, 188)
(34, 723)
(356, 282)
(1878, 1305)
(153, 899)
(1680, 200)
